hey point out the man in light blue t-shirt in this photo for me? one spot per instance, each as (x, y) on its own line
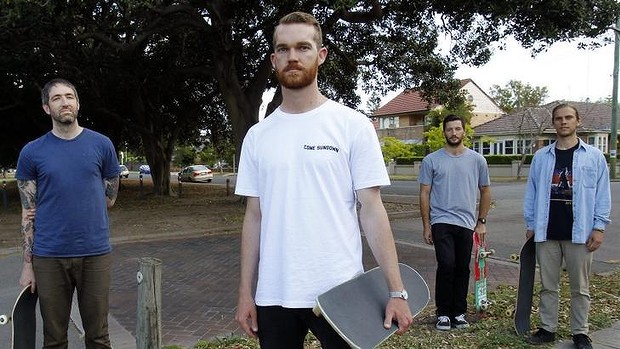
(450, 179)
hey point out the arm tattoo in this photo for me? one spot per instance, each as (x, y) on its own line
(111, 189)
(27, 194)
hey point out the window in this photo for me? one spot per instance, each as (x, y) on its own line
(524, 146)
(475, 146)
(509, 147)
(486, 148)
(498, 148)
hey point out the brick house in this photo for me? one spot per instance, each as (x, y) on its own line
(403, 117)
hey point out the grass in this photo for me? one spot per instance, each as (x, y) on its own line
(494, 330)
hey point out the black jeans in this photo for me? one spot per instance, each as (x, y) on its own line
(453, 246)
(286, 328)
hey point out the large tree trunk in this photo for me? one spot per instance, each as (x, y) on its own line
(242, 105)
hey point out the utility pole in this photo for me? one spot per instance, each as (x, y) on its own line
(613, 141)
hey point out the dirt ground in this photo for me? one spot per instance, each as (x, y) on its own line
(200, 208)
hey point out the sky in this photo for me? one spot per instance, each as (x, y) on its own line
(569, 73)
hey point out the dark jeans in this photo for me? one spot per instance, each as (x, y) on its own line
(453, 246)
(286, 328)
(56, 279)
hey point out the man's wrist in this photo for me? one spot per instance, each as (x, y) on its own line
(602, 231)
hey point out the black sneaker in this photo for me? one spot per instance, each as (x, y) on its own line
(443, 323)
(582, 341)
(460, 322)
(541, 336)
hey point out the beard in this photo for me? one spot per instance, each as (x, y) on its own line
(64, 117)
(454, 142)
(298, 79)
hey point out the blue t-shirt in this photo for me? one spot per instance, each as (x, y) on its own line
(72, 214)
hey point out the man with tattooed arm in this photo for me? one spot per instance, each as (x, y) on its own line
(67, 179)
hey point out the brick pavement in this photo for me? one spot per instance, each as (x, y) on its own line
(200, 278)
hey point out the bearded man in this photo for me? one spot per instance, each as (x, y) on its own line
(303, 169)
(450, 179)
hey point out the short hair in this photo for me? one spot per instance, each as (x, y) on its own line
(453, 117)
(564, 105)
(304, 18)
(45, 92)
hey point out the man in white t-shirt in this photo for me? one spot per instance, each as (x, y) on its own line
(303, 170)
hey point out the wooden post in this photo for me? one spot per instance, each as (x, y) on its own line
(148, 329)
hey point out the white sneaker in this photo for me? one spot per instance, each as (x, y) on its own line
(443, 323)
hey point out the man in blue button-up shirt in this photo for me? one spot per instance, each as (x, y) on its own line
(566, 208)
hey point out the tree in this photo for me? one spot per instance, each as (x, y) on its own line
(154, 72)
(516, 95)
(393, 148)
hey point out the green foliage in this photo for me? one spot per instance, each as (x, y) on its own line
(393, 148)
(505, 159)
(184, 156)
(516, 95)
(409, 160)
(436, 116)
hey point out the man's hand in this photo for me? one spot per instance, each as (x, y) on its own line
(397, 310)
(428, 236)
(529, 234)
(246, 316)
(481, 229)
(27, 277)
(595, 240)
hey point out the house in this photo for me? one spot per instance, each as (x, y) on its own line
(403, 117)
(525, 131)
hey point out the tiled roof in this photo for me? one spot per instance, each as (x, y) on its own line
(408, 101)
(593, 116)
(411, 101)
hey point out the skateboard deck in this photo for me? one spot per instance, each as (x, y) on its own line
(23, 320)
(481, 253)
(356, 308)
(525, 291)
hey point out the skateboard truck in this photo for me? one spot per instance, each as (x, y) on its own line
(485, 254)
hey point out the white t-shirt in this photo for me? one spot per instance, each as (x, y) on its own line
(305, 168)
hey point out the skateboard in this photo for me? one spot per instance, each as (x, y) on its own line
(525, 292)
(356, 308)
(481, 252)
(23, 320)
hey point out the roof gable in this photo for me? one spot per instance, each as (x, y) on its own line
(408, 101)
(411, 101)
(537, 120)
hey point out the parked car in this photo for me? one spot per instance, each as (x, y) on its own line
(124, 171)
(195, 173)
(145, 169)
(221, 165)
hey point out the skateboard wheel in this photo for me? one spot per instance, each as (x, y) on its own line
(4, 319)
(139, 277)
